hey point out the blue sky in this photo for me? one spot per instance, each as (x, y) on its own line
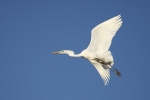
(31, 29)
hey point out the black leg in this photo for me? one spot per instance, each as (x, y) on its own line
(113, 70)
(117, 72)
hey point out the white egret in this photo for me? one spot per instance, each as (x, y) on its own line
(98, 50)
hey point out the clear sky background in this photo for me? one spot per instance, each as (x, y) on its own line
(31, 29)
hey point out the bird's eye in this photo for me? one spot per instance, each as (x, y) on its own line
(62, 50)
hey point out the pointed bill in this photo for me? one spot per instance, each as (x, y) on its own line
(57, 52)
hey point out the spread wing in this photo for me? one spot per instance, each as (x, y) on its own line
(104, 72)
(102, 34)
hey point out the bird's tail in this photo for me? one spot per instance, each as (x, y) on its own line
(107, 57)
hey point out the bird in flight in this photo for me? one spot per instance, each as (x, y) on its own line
(98, 52)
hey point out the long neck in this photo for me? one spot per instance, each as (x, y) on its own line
(74, 55)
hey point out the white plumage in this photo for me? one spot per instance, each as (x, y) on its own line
(98, 50)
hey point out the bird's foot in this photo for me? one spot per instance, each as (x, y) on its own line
(118, 73)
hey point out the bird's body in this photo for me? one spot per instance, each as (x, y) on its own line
(98, 50)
